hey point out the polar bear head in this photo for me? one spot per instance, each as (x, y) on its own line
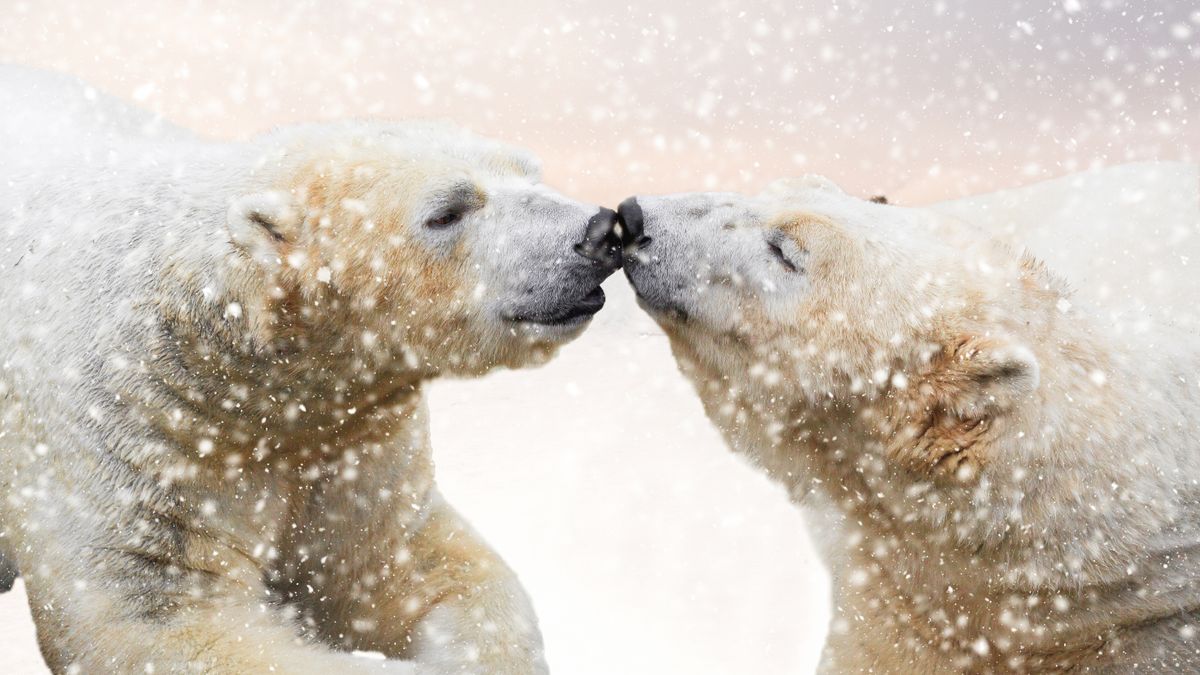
(803, 303)
(420, 245)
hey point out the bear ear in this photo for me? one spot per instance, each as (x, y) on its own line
(981, 374)
(945, 430)
(262, 224)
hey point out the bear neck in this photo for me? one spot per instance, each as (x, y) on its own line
(313, 390)
(1061, 538)
(306, 387)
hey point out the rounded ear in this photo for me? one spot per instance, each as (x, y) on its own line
(262, 224)
(988, 374)
(946, 429)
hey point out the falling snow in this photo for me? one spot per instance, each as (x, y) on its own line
(605, 478)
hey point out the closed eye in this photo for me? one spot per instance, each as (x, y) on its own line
(783, 259)
(453, 204)
(444, 220)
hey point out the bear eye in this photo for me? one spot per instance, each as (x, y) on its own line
(445, 220)
(786, 252)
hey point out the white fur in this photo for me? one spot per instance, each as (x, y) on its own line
(213, 445)
(1064, 531)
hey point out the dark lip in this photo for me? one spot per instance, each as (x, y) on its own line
(580, 311)
(669, 310)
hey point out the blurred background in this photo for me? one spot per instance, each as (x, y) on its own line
(649, 548)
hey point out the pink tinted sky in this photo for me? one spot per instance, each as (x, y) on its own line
(920, 100)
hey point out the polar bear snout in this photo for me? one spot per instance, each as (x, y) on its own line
(544, 272)
(602, 240)
(632, 225)
(710, 258)
(664, 268)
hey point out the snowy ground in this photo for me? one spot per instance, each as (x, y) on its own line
(646, 545)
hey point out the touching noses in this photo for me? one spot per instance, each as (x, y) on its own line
(633, 231)
(601, 242)
(610, 232)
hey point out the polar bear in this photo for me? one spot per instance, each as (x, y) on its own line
(214, 448)
(1003, 474)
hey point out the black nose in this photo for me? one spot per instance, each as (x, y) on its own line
(633, 233)
(601, 243)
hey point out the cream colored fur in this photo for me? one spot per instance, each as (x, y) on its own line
(214, 452)
(1003, 472)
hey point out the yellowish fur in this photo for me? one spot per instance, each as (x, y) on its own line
(1000, 480)
(214, 450)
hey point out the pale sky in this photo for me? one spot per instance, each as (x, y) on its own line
(919, 100)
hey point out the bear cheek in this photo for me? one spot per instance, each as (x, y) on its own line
(440, 280)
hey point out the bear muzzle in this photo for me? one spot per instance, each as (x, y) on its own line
(601, 240)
